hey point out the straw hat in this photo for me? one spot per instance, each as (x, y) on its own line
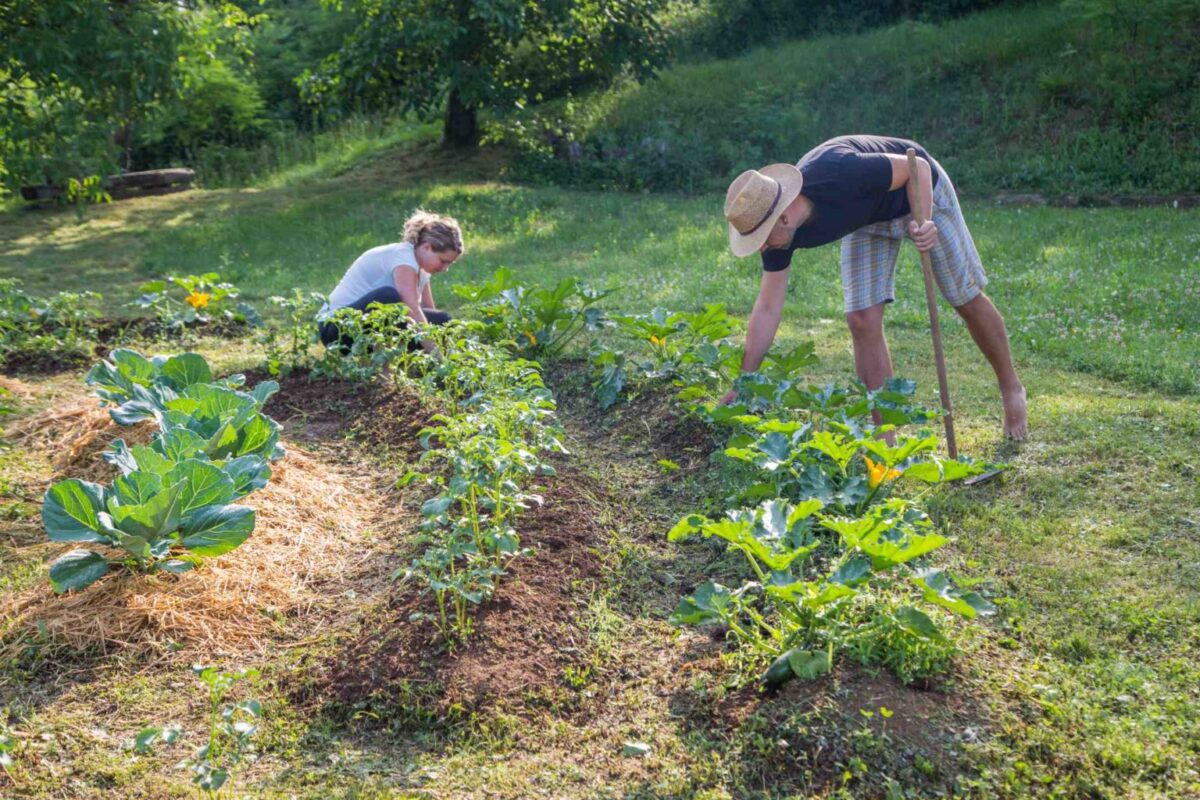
(754, 202)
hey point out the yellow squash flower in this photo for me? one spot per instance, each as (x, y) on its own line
(532, 338)
(657, 341)
(198, 300)
(878, 473)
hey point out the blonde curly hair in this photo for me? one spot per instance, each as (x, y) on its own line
(441, 232)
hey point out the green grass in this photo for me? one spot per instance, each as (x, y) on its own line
(1083, 687)
(1041, 97)
(1114, 292)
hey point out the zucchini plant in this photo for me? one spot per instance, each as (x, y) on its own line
(829, 519)
(681, 348)
(535, 322)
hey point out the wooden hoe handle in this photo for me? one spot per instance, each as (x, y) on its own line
(919, 215)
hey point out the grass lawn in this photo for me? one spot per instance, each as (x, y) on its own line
(1085, 685)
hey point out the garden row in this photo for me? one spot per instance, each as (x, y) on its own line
(62, 329)
(825, 501)
(174, 501)
(825, 490)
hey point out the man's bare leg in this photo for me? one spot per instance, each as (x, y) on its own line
(872, 359)
(987, 329)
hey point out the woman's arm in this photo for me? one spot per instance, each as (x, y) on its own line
(407, 286)
(427, 299)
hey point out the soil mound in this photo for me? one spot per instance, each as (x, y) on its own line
(524, 638)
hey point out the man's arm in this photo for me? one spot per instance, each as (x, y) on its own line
(764, 322)
(919, 191)
(764, 319)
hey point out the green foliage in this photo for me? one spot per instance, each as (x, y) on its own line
(1086, 98)
(490, 445)
(429, 57)
(147, 518)
(288, 348)
(538, 323)
(681, 348)
(56, 329)
(481, 454)
(231, 729)
(61, 105)
(724, 28)
(181, 302)
(830, 534)
(173, 503)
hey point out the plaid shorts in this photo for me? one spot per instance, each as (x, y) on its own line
(869, 256)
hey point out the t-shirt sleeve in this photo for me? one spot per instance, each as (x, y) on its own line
(777, 260)
(866, 174)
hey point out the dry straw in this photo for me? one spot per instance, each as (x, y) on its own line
(309, 539)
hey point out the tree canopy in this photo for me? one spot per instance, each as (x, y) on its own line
(457, 56)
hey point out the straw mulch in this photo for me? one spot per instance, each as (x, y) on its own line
(73, 438)
(311, 518)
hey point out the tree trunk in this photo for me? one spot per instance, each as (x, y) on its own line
(461, 128)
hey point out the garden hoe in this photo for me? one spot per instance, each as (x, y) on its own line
(919, 216)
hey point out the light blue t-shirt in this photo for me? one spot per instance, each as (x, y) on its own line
(374, 270)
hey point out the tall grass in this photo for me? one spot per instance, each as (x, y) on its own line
(289, 154)
(1060, 99)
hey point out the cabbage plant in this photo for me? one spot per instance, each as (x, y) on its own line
(154, 521)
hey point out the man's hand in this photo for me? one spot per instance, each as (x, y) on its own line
(727, 398)
(925, 236)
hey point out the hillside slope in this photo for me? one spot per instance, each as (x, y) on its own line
(1068, 99)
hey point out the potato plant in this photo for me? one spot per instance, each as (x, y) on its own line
(58, 329)
(290, 348)
(482, 453)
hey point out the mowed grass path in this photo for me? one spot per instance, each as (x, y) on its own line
(1090, 544)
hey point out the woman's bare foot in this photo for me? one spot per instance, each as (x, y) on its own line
(1016, 421)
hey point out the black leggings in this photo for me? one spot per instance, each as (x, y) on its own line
(386, 295)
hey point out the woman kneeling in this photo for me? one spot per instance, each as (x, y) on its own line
(398, 273)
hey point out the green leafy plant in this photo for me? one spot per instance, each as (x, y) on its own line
(153, 521)
(681, 348)
(481, 455)
(181, 302)
(370, 342)
(838, 554)
(201, 415)
(535, 322)
(59, 329)
(798, 609)
(289, 346)
(231, 730)
(82, 193)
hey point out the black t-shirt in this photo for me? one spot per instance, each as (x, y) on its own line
(848, 180)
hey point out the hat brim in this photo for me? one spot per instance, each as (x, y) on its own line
(791, 181)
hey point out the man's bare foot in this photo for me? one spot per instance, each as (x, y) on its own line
(1016, 421)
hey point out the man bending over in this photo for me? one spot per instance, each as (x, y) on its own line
(855, 188)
